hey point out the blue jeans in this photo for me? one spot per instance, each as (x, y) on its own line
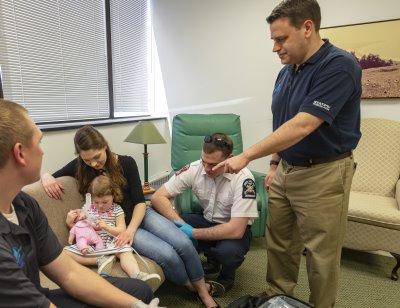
(229, 253)
(160, 240)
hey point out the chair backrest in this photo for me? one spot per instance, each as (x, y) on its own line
(56, 210)
(188, 131)
(378, 157)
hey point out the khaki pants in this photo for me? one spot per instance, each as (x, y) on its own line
(308, 208)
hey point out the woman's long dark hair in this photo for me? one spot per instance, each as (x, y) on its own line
(89, 138)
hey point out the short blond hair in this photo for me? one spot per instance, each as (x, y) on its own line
(14, 128)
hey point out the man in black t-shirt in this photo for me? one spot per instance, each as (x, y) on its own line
(27, 243)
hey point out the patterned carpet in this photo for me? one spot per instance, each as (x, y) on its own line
(364, 281)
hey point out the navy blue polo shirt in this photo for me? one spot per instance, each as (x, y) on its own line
(328, 86)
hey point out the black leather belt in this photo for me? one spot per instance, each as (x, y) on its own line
(316, 161)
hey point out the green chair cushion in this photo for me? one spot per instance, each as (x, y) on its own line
(188, 131)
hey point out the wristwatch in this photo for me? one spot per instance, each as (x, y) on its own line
(273, 162)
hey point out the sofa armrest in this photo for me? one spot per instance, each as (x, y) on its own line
(397, 193)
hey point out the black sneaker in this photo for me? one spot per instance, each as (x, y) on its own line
(211, 268)
(228, 284)
(216, 289)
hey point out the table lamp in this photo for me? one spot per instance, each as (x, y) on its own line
(145, 132)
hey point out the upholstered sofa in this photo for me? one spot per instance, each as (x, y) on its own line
(374, 208)
(56, 211)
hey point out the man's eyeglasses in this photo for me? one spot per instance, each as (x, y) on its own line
(217, 141)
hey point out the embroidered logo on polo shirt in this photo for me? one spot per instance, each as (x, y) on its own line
(183, 169)
(322, 105)
(248, 189)
(18, 254)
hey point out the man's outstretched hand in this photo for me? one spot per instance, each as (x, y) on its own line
(233, 164)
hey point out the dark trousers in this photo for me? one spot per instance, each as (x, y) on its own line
(134, 287)
(229, 253)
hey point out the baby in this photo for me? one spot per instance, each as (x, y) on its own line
(110, 222)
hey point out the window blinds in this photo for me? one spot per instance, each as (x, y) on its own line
(131, 56)
(53, 58)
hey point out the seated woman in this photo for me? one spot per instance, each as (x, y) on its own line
(150, 234)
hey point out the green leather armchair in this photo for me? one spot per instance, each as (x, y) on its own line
(188, 131)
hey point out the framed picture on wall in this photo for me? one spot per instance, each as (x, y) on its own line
(376, 47)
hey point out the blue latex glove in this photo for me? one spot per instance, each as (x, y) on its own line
(187, 229)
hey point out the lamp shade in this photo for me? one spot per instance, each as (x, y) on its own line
(145, 132)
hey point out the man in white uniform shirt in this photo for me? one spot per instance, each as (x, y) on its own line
(229, 205)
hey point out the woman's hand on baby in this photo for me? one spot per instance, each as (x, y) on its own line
(124, 238)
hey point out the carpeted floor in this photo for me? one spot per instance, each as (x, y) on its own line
(364, 281)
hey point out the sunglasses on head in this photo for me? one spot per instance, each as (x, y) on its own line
(217, 141)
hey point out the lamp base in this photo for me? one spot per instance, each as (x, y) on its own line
(147, 189)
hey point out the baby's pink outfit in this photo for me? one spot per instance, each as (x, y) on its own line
(85, 235)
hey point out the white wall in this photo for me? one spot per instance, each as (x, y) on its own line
(216, 57)
(58, 147)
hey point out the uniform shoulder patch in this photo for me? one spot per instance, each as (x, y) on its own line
(183, 169)
(249, 189)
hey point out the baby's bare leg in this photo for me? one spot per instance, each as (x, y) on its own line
(87, 261)
(128, 263)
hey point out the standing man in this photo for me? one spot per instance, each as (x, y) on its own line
(27, 242)
(316, 123)
(229, 208)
